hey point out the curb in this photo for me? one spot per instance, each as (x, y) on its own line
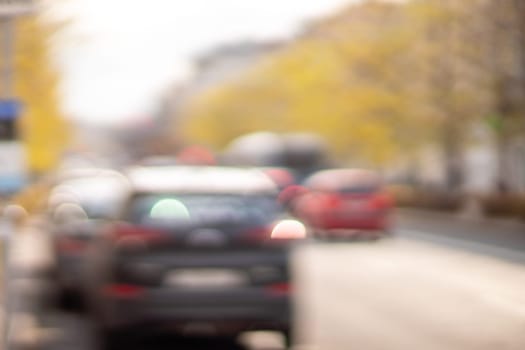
(507, 223)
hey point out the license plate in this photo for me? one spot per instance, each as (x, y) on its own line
(205, 278)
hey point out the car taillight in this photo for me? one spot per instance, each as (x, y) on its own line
(123, 291)
(381, 201)
(283, 288)
(258, 234)
(71, 245)
(129, 235)
(333, 201)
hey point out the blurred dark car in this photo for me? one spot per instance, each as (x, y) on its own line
(79, 207)
(345, 202)
(199, 250)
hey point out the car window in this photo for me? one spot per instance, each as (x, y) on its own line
(184, 209)
(345, 182)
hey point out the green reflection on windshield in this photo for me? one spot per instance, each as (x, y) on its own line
(169, 208)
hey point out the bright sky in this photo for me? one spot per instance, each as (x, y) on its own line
(121, 54)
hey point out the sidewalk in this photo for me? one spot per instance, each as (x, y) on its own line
(29, 263)
(502, 223)
(509, 234)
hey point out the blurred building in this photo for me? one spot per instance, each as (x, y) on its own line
(94, 145)
(223, 64)
(156, 134)
(212, 69)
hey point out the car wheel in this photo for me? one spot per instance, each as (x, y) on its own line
(288, 338)
(70, 300)
(114, 339)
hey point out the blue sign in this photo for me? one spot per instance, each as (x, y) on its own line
(10, 109)
(10, 184)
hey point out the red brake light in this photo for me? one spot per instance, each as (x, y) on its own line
(258, 234)
(133, 235)
(196, 155)
(283, 288)
(333, 200)
(381, 201)
(71, 245)
(123, 291)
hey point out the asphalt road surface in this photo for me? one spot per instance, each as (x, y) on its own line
(403, 294)
(418, 290)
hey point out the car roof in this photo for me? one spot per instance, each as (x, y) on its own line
(200, 179)
(86, 172)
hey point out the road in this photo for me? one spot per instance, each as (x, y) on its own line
(417, 290)
(404, 294)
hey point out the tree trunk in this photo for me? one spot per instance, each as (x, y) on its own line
(502, 179)
(453, 154)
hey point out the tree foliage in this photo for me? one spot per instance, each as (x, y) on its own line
(41, 126)
(378, 80)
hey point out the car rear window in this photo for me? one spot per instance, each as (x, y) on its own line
(187, 209)
(346, 182)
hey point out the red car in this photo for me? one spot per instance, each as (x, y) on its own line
(346, 202)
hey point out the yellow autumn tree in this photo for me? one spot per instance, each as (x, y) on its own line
(43, 130)
(382, 80)
(342, 79)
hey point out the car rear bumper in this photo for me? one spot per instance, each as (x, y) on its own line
(260, 299)
(367, 221)
(221, 312)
